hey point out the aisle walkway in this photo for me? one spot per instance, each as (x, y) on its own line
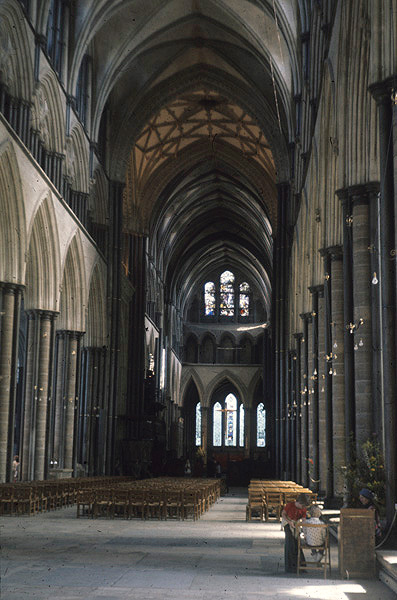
(220, 557)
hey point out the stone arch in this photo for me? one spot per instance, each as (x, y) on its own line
(96, 322)
(207, 350)
(43, 265)
(191, 349)
(77, 158)
(255, 389)
(12, 222)
(73, 289)
(16, 57)
(99, 198)
(245, 352)
(42, 16)
(227, 376)
(188, 376)
(48, 114)
(226, 351)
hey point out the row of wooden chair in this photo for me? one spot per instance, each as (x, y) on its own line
(39, 496)
(266, 498)
(162, 498)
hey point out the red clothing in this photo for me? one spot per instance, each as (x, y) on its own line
(293, 512)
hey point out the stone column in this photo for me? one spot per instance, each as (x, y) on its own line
(336, 368)
(71, 396)
(362, 197)
(298, 395)
(43, 383)
(205, 434)
(59, 400)
(315, 291)
(348, 317)
(305, 396)
(310, 396)
(30, 393)
(322, 417)
(385, 97)
(9, 325)
(326, 376)
(248, 419)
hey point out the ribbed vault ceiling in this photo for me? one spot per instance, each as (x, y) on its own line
(198, 100)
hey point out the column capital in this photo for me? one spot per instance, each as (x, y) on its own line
(342, 194)
(316, 289)
(381, 91)
(306, 316)
(333, 252)
(34, 313)
(69, 333)
(364, 193)
(11, 288)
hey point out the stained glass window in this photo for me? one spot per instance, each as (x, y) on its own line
(261, 425)
(231, 420)
(244, 301)
(241, 432)
(209, 298)
(198, 424)
(226, 296)
(217, 418)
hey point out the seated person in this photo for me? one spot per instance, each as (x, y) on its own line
(293, 512)
(367, 499)
(314, 536)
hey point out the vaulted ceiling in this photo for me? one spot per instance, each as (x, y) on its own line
(198, 96)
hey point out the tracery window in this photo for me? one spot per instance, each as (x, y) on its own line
(198, 424)
(217, 421)
(209, 298)
(226, 303)
(260, 425)
(228, 422)
(227, 298)
(244, 300)
(242, 415)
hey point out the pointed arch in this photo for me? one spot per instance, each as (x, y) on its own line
(16, 56)
(96, 323)
(44, 264)
(77, 158)
(245, 351)
(73, 289)
(99, 199)
(226, 378)
(207, 349)
(12, 222)
(191, 349)
(189, 376)
(48, 113)
(226, 349)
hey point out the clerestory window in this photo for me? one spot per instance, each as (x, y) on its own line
(227, 298)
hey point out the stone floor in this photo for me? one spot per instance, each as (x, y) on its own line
(220, 557)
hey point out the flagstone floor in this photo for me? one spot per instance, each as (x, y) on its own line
(220, 557)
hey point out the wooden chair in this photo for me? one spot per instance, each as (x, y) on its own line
(137, 503)
(255, 506)
(273, 505)
(172, 504)
(190, 505)
(85, 502)
(120, 505)
(324, 563)
(103, 503)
